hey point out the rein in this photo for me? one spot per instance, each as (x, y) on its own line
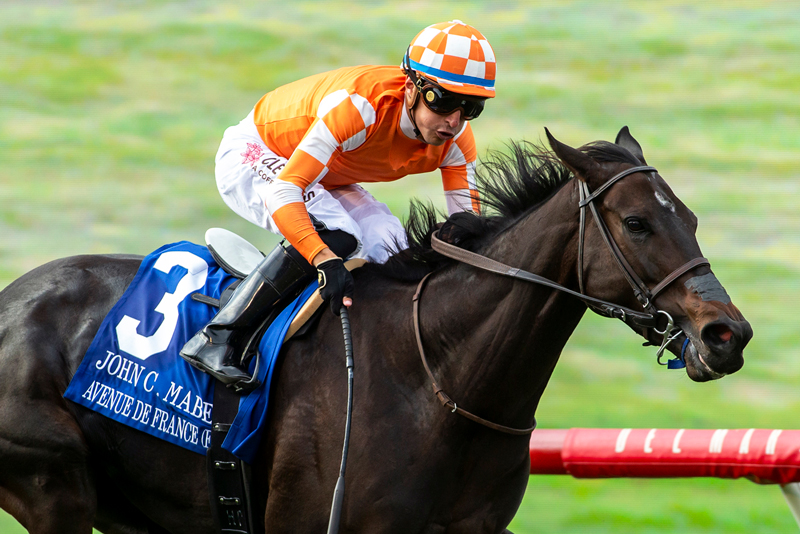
(645, 296)
(437, 390)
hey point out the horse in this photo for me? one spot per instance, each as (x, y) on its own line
(491, 342)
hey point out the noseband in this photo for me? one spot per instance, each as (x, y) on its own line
(633, 318)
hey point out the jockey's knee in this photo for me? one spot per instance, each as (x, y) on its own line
(340, 242)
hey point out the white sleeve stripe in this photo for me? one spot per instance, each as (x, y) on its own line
(319, 143)
(471, 175)
(458, 200)
(454, 157)
(331, 101)
(354, 142)
(281, 194)
(364, 108)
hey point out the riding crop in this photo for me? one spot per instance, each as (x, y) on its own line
(338, 493)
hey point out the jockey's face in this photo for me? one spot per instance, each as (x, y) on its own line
(436, 129)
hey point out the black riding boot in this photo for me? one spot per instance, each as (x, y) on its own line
(217, 348)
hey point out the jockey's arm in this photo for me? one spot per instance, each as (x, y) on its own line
(341, 119)
(307, 165)
(458, 174)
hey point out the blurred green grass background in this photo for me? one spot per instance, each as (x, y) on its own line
(111, 113)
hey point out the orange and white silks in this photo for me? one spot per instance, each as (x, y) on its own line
(310, 139)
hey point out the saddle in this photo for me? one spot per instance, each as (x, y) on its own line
(228, 476)
(238, 257)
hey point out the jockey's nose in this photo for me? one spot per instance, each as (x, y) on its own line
(454, 119)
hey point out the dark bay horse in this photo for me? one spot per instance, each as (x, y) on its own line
(414, 467)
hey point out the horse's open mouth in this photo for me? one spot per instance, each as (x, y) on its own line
(696, 366)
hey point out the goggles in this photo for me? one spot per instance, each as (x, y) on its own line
(444, 102)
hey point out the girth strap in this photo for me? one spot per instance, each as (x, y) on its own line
(443, 397)
(228, 476)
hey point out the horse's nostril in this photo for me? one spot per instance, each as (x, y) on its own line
(720, 333)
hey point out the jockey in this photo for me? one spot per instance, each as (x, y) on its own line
(293, 166)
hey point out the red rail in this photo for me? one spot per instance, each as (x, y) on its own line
(764, 456)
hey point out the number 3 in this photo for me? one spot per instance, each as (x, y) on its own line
(143, 347)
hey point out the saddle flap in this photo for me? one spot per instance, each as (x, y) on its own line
(232, 252)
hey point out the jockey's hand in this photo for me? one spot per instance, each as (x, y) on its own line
(335, 283)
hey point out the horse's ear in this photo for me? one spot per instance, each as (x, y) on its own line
(581, 165)
(626, 140)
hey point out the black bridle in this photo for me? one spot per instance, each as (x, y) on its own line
(645, 320)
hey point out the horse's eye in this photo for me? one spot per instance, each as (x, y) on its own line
(635, 225)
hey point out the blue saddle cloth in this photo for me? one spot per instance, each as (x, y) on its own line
(133, 373)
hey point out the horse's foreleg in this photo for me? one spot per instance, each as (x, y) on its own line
(45, 481)
(45, 495)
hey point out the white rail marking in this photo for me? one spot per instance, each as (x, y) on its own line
(622, 438)
(648, 440)
(717, 439)
(677, 442)
(772, 442)
(744, 446)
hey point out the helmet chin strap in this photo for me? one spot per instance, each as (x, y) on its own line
(406, 66)
(410, 108)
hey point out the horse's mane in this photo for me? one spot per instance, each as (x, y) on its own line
(510, 186)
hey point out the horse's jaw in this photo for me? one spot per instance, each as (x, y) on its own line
(699, 366)
(696, 367)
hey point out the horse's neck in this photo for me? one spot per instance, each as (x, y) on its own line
(499, 339)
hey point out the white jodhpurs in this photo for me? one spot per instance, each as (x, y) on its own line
(246, 169)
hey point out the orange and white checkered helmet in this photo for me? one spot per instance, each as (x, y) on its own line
(454, 55)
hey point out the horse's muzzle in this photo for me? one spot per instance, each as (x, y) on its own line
(720, 349)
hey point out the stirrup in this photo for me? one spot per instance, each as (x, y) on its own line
(243, 387)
